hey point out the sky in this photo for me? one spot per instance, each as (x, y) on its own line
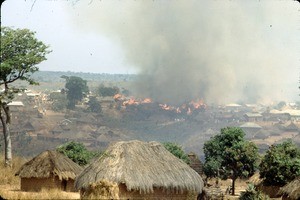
(72, 49)
(184, 49)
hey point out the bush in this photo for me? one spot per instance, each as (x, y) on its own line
(281, 164)
(252, 194)
(77, 152)
(177, 151)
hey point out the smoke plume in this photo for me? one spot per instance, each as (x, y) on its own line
(219, 51)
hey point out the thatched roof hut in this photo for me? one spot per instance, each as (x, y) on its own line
(136, 169)
(291, 191)
(49, 169)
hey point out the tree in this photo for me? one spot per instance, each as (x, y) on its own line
(107, 91)
(177, 151)
(281, 164)
(20, 53)
(77, 152)
(94, 105)
(76, 88)
(59, 101)
(229, 155)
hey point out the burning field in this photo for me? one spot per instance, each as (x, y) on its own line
(186, 109)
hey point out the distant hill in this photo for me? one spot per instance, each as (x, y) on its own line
(53, 76)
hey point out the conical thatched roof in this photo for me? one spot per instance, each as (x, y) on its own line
(50, 163)
(141, 166)
(292, 189)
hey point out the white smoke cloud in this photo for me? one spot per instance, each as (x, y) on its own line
(220, 51)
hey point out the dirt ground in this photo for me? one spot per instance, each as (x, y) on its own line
(14, 192)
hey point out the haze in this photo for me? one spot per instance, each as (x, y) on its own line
(220, 51)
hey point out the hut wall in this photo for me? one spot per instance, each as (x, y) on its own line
(37, 184)
(70, 186)
(157, 194)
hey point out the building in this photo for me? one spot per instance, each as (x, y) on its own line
(138, 170)
(291, 191)
(49, 170)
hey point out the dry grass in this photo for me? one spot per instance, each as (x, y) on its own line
(9, 193)
(10, 185)
(7, 175)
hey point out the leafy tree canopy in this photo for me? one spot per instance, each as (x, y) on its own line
(77, 152)
(20, 53)
(281, 164)
(229, 155)
(94, 105)
(76, 89)
(177, 151)
(105, 91)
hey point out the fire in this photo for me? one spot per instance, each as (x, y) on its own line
(186, 108)
(131, 100)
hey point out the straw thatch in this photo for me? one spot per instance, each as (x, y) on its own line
(142, 167)
(255, 179)
(292, 189)
(50, 163)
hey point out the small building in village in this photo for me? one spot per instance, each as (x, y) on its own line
(253, 117)
(195, 163)
(49, 170)
(138, 170)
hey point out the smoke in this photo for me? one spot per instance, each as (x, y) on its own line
(220, 51)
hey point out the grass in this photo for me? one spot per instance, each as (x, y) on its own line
(10, 185)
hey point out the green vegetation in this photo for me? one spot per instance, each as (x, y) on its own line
(59, 101)
(177, 151)
(76, 89)
(77, 152)
(252, 194)
(107, 91)
(229, 155)
(94, 105)
(20, 53)
(281, 164)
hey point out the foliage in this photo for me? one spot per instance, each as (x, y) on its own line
(77, 152)
(76, 89)
(177, 151)
(59, 101)
(107, 91)
(281, 164)
(94, 105)
(20, 53)
(229, 155)
(252, 194)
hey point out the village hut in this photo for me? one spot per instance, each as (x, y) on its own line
(138, 170)
(195, 163)
(49, 170)
(291, 191)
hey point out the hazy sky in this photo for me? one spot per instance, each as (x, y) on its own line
(185, 49)
(72, 49)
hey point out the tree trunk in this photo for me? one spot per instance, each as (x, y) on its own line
(233, 186)
(5, 120)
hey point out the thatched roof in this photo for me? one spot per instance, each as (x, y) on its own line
(50, 163)
(141, 166)
(292, 189)
(255, 179)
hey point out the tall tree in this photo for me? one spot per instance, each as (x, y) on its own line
(20, 54)
(229, 155)
(280, 164)
(76, 88)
